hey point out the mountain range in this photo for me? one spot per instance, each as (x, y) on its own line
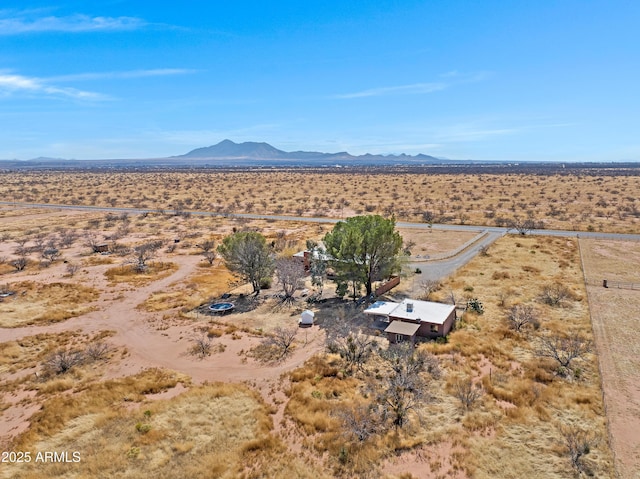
(250, 150)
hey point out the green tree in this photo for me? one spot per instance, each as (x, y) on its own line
(363, 249)
(247, 254)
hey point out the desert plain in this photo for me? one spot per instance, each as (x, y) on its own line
(131, 370)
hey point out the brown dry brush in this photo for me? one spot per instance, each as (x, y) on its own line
(355, 349)
(282, 340)
(360, 422)
(208, 250)
(20, 263)
(428, 287)
(578, 444)
(143, 253)
(97, 351)
(564, 350)
(201, 347)
(521, 316)
(556, 294)
(466, 391)
(62, 361)
(275, 347)
(405, 390)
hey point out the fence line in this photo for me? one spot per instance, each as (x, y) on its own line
(605, 283)
(605, 394)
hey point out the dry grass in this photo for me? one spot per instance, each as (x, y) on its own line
(617, 335)
(217, 430)
(25, 364)
(516, 420)
(29, 351)
(210, 282)
(128, 274)
(581, 202)
(513, 429)
(97, 260)
(45, 303)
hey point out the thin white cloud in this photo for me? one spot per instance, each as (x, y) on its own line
(18, 84)
(20, 24)
(123, 74)
(413, 89)
(452, 78)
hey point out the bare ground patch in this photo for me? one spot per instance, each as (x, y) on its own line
(617, 333)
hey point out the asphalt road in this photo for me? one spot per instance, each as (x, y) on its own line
(440, 269)
(431, 270)
(307, 219)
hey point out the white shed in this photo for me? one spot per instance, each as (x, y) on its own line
(306, 319)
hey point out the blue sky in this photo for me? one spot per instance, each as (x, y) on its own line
(488, 80)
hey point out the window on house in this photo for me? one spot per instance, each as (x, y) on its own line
(399, 338)
(434, 328)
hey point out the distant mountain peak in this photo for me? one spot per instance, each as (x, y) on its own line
(229, 149)
(251, 150)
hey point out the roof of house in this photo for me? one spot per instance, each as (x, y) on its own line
(401, 327)
(382, 308)
(424, 311)
(316, 255)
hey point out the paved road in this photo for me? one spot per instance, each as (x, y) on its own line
(431, 270)
(307, 219)
(440, 269)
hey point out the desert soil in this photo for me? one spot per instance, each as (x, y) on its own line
(160, 338)
(616, 326)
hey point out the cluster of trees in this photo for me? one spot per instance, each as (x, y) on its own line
(359, 251)
(363, 249)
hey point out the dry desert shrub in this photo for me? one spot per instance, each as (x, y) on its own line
(275, 346)
(556, 294)
(466, 391)
(131, 273)
(526, 389)
(585, 202)
(29, 351)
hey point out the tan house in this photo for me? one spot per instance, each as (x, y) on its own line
(412, 318)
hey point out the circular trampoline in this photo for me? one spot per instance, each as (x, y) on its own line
(221, 307)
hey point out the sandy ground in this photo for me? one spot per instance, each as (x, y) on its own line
(162, 339)
(150, 339)
(151, 342)
(616, 326)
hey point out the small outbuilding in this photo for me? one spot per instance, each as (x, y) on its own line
(306, 318)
